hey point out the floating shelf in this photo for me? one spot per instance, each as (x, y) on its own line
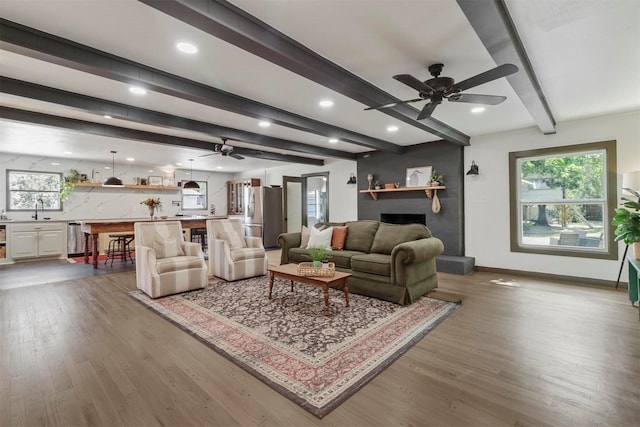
(142, 187)
(428, 191)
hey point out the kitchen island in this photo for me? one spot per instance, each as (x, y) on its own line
(95, 227)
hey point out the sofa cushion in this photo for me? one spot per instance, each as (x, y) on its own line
(173, 264)
(338, 237)
(389, 236)
(360, 235)
(378, 264)
(342, 258)
(241, 254)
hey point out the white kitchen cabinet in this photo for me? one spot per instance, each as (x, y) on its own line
(33, 240)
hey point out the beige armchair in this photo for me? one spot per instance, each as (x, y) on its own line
(165, 263)
(232, 255)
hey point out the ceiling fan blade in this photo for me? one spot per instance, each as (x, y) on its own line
(411, 81)
(236, 156)
(392, 104)
(207, 155)
(477, 99)
(493, 74)
(427, 110)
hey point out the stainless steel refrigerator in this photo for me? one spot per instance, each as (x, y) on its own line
(263, 214)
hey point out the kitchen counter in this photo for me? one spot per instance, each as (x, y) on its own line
(95, 227)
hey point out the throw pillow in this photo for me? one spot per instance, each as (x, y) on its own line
(338, 238)
(304, 237)
(320, 239)
(167, 248)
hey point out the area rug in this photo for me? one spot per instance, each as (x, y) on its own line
(317, 361)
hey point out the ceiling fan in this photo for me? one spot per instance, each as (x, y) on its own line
(225, 150)
(439, 88)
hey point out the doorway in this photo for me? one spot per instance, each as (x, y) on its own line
(306, 200)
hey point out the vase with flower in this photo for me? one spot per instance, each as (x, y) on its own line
(153, 204)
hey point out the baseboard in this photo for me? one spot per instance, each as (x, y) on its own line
(549, 276)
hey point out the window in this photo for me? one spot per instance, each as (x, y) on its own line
(26, 188)
(563, 199)
(194, 199)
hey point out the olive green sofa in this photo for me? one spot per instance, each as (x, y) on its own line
(393, 262)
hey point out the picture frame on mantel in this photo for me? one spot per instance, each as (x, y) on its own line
(155, 180)
(419, 176)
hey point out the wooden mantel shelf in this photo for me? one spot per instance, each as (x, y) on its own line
(429, 190)
(142, 187)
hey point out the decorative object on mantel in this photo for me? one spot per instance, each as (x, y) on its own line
(352, 179)
(370, 179)
(152, 204)
(431, 191)
(436, 178)
(473, 170)
(113, 181)
(191, 184)
(418, 176)
(377, 185)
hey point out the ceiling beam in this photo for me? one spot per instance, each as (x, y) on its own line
(101, 107)
(139, 135)
(227, 22)
(47, 47)
(491, 21)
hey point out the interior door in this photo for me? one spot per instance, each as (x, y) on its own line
(295, 215)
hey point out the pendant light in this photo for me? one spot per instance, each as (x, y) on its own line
(191, 184)
(113, 181)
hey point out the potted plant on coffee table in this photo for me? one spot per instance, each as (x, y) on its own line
(317, 255)
(627, 223)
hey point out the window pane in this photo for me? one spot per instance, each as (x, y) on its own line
(195, 198)
(562, 200)
(27, 187)
(577, 225)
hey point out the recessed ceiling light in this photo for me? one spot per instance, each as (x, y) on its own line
(150, 170)
(137, 90)
(107, 167)
(187, 47)
(68, 152)
(392, 128)
(130, 159)
(106, 116)
(264, 124)
(333, 141)
(326, 103)
(476, 110)
(179, 164)
(55, 163)
(219, 167)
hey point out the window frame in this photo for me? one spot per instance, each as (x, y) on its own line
(9, 191)
(610, 250)
(205, 194)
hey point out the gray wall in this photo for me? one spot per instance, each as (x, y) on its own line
(445, 158)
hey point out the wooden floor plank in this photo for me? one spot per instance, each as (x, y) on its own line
(520, 351)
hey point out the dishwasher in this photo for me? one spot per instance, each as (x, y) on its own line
(75, 240)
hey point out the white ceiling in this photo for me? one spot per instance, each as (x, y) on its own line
(585, 54)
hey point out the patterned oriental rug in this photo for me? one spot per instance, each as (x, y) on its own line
(317, 361)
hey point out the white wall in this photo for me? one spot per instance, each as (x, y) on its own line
(106, 203)
(343, 197)
(487, 195)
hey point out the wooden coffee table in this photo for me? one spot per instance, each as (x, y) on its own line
(290, 271)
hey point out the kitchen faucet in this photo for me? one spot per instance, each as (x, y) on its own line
(41, 205)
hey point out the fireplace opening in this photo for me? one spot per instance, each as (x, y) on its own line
(403, 218)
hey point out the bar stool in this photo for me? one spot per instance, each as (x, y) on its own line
(119, 247)
(199, 235)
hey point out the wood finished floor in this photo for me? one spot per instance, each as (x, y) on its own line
(519, 352)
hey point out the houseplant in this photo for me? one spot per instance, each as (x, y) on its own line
(436, 178)
(627, 223)
(153, 204)
(317, 254)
